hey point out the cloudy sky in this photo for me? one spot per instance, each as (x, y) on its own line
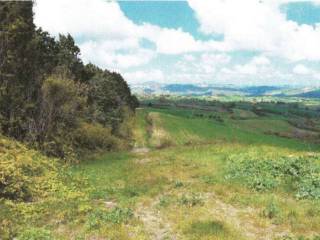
(261, 42)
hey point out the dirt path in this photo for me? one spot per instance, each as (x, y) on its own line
(155, 225)
(140, 150)
(242, 219)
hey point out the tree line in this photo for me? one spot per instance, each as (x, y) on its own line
(49, 98)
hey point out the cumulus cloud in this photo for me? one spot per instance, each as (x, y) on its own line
(309, 73)
(102, 29)
(83, 18)
(108, 38)
(205, 63)
(258, 64)
(258, 25)
(114, 58)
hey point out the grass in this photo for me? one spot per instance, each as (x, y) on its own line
(182, 128)
(180, 188)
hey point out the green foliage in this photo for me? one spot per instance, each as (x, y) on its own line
(17, 67)
(164, 201)
(300, 174)
(63, 103)
(35, 234)
(24, 174)
(46, 90)
(94, 136)
(109, 95)
(116, 216)
(271, 210)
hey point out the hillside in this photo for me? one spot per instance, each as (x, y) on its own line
(152, 89)
(192, 174)
(205, 89)
(311, 94)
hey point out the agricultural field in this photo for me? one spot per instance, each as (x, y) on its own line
(216, 170)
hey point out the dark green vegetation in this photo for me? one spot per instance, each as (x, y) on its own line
(49, 98)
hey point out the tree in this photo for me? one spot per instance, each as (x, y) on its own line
(17, 88)
(109, 94)
(69, 56)
(63, 105)
(48, 96)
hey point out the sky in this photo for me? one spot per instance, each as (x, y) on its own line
(247, 42)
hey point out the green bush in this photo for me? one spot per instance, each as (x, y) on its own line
(301, 174)
(94, 136)
(24, 174)
(63, 104)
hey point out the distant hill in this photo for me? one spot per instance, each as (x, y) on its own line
(149, 88)
(311, 94)
(175, 88)
(260, 90)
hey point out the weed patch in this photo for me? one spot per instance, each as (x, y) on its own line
(300, 175)
(118, 215)
(36, 234)
(191, 200)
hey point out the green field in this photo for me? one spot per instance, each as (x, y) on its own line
(192, 174)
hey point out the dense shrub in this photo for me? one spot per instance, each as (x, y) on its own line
(94, 136)
(301, 174)
(24, 174)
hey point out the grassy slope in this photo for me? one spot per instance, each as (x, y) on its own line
(181, 126)
(179, 191)
(184, 187)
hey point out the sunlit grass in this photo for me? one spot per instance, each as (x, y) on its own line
(183, 183)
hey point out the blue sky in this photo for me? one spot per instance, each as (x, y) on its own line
(251, 42)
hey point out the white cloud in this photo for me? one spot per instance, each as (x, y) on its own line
(214, 58)
(258, 25)
(261, 60)
(82, 18)
(106, 56)
(301, 70)
(189, 58)
(246, 69)
(111, 40)
(144, 76)
(206, 63)
(258, 64)
(102, 30)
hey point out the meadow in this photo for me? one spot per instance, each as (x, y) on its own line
(206, 170)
